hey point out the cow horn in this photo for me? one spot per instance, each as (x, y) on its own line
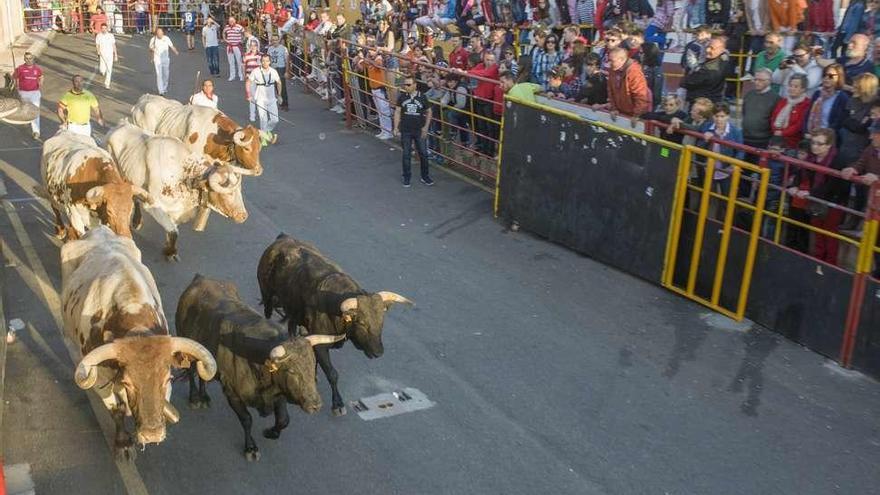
(215, 182)
(349, 304)
(323, 339)
(95, 196)
(86, 372)
(171, 413)
(391, 297)
(142, 194)
(277, 352)
(244, 171)
(239, 140)
(205, 363)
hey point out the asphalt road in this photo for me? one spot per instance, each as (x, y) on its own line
(550, 372)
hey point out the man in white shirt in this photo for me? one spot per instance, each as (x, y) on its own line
(160, 46)
(105, 43)
(278, 53)
(206, 97)
(263, 87)
(211, 41)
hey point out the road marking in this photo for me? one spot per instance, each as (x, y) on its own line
(134, 483)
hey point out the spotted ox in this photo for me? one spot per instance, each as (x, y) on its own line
(259, 365)
(179, 182)
(84, 187)
(204, 130)
(113, 313)
(312, 291)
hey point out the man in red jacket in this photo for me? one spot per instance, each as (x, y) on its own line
(484, 97)
(628, 92)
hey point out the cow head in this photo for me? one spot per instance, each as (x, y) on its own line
(246, 148)
(223, 186)
(364, 316)
(292, 365)
(143, 365)
(113, 203)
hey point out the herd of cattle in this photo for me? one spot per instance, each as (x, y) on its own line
(177, 162)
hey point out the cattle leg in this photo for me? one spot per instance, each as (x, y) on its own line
(282, 419)
(123, 443)
(137, 216)
(170, 228)
(198, 398)
(251, 452)
(322, 355)
(170, 250)
(60, 230)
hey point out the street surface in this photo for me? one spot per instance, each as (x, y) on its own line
(550, 373)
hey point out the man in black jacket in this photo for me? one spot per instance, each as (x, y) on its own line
(708, 78)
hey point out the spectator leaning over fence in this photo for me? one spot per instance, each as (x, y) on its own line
(758, 106)
(672, 109)
(29, 81)
(206, 97)
(544, 59)
(707, 80)
(411, 120)
(160, 47)
(702, 109)
(524, 91)
(868, 167)
(278, 53)
(828, 105)
(263, 89)
(594, 89)
(76, 107)
(105, 45)
(483, 97)
(233, 36)
(211, 42)
(628, 92)
(801, 61)
(789, 116)
(720, 128)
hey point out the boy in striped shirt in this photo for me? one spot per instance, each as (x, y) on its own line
(252, 62)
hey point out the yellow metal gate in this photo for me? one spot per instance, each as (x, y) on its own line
(708, 194)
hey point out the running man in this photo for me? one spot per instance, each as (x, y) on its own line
(206, 97)
(263, 88)
(29, 81)
(188, 25)
(105, 44)
(233, 36)
(160, 46)
(77, 107)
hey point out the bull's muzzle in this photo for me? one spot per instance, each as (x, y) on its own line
(152, 435)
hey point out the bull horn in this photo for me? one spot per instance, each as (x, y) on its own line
(86, 372)
(239, 140)
(216, 185)
(391, 297)
(277, 353)
(95, 196)
(323, 339)
(243, 171)
(142, 194)
(171, 413)
(349, 304)
(205, 363)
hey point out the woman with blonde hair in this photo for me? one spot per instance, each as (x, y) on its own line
(853, 132)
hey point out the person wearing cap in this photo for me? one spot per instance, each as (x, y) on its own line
(29, 81)
(76, 107)
(211, 42)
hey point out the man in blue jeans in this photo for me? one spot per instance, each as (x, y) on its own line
(412, 117)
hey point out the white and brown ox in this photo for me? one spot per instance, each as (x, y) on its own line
(204, 130)
(113, 313)
(179, 182)
(84, 187)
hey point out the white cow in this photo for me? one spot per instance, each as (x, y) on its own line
(204, 130)
(80, 178)
(179, 182)
(113, 313)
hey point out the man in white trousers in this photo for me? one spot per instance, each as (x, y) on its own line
(263, 88)
(29, 81)
(233, 36)
(161, 46)
(105, 43)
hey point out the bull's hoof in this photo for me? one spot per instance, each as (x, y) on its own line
(339, 411)
(271, 433)
(200, 403)
(252, 455)
(137, 224)
(60, 233)
(172, 257)
(126, 453)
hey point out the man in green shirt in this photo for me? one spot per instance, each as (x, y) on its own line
(76, 108)
(771, 58)
(522, 91)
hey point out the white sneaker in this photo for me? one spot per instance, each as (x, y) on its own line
(385, 135)
(241, 78)
(231, 78)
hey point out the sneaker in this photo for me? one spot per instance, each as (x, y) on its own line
(231, 78)
(406, 182)
(384, 136)
(427, 181)
(337, 108)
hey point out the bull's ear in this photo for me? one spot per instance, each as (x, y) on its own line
(181, 360)
(95, 197)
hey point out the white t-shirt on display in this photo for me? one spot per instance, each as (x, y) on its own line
(161, 47)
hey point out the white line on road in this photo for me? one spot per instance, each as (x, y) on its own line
(134, 483)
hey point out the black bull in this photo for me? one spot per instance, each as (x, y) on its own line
(310, 290)
(259, 365)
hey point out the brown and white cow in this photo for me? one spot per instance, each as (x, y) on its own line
(81, 179)
(204, 130)
(179, 182)
(113, 314)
